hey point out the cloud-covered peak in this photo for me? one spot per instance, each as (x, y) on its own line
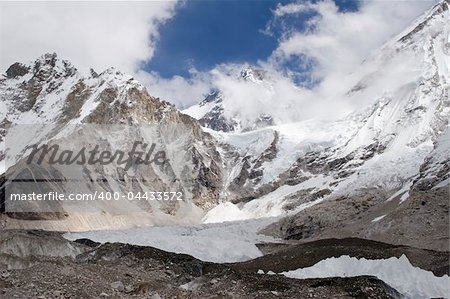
(252, 74)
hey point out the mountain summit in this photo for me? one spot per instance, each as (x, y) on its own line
(216, 112)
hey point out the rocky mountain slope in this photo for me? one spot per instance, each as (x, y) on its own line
(49, 101)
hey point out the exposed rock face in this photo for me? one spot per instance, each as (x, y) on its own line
(214, 118)
(53, 95)
(17, 70)
(421, 221)
(435, 170)
(33, 244)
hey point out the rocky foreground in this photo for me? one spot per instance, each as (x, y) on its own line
(35, 264)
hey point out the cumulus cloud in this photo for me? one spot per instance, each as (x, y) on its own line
(89, 34)
(183, 92)
(97, 35)
(247, 100)
(339, 41)
(329, 48)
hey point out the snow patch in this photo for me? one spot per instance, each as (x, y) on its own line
(378, 218)
(411, 281)
(225, 212)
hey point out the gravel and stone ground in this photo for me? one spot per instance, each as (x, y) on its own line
(57, 268)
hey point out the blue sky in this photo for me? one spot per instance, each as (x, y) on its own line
(204, 33)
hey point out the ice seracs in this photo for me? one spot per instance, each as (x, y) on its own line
(411, 281)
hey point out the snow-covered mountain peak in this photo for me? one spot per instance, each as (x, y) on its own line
(402, 94)
(218, 112)
(214, 96)
(252, 74)
(44, 68)
(50, 90)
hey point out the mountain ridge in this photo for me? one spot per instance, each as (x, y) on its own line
(387, 152)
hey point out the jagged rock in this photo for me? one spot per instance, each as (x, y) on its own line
(17, 70)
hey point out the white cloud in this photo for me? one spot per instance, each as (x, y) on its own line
(96, 35)
(183, 92)
(275, 95)
(340, 41)
(290, 8)
(89, 34)
(337, 43)
(124, 34)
